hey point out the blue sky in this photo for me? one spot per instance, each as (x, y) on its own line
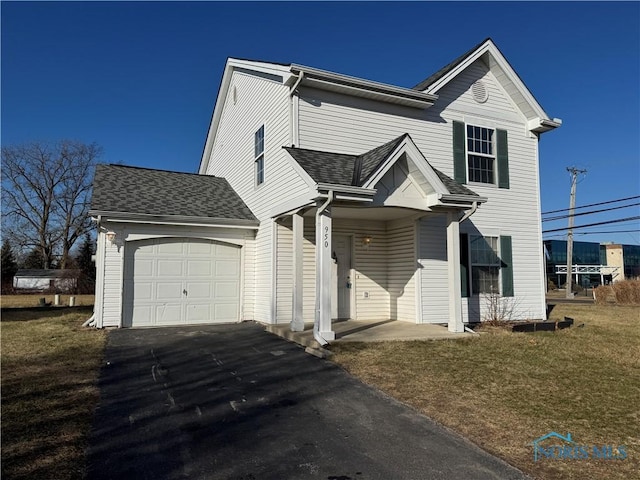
(141, 79)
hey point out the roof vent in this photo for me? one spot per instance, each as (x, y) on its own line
(480, 93)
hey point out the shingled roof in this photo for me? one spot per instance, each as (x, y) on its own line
(355, 170)
(426, 83)
(134, 190)
(342, 169)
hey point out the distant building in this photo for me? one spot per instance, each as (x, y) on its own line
(592, 263)
(40, 280)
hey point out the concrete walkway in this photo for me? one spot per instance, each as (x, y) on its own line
(368, 331)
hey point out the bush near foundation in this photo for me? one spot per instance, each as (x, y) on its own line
(625, 292)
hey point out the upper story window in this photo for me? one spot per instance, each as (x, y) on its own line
(259, 155)
(480, 154)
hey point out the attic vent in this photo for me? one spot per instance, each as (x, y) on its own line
(479, 91)
(235, 95)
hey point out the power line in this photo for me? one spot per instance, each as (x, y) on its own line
(603, 232)
(591, 205)
(561, 217)
(628, 219)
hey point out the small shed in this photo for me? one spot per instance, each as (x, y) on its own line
(40, 280)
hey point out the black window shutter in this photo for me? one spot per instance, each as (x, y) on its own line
(464, 264)
(459, 155)
(507, 266)
(503, 159)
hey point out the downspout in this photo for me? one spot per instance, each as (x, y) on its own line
(292, 110)
(91, 321)
(295, 85)
(316, 326)
(470, 212)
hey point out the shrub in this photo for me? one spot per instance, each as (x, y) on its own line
(551, 285)
(626, 292)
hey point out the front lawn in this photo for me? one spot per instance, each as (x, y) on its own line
(50, 366)
(33, 300)
(503, 390)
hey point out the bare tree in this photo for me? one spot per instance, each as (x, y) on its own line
(46, 192)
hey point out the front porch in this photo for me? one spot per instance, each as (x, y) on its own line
(355, 246)
(369, 331)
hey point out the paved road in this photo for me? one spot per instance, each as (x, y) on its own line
(235, 402)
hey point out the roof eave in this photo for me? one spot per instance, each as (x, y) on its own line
(346, 192)
(541, 125)
(326, 80)
(130, 217)
(456, 198)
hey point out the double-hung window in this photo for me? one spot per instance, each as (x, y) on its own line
(480, 154)
(485, 264)
(259, 155)
(488, 263)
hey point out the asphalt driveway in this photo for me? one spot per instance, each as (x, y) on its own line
(236, 402)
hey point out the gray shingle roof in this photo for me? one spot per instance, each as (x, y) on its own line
(134, 190)
(342, 169)
(453, 186)
(355, 170)
(426, 83)
(325, 167)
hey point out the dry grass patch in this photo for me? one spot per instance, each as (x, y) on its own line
(32, 300)
(502, 390)
(626, 292)
(50, 366)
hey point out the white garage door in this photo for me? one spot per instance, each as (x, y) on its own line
(174, 281)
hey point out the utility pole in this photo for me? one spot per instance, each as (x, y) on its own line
(572, 205)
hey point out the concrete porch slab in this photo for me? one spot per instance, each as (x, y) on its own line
(369, 331)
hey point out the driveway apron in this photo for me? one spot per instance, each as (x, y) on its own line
(236, 402)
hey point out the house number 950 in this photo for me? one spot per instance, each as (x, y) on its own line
(326, 237)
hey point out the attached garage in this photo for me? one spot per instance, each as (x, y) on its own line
(173, 249)
(175, 281)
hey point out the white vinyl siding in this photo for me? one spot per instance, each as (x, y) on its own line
(333, 122)
(259, 101)
(284, 274)
(112, 286)
(383, 274)
(432, 260)
(401, 257)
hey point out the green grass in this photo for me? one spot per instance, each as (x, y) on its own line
(50, 366)
(502, 390)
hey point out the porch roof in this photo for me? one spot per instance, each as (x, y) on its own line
(355, 170)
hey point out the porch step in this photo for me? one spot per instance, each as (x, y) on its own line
(304, 338)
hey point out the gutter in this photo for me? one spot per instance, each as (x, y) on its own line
(127, 217)
(316, 323)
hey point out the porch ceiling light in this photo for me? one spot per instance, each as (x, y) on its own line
(366, 241)
(111, 237)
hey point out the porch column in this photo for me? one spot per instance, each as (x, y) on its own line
(322, 325)
(297, 321)
(453, 263)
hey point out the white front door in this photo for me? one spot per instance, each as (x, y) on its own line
(173, 281)
(342, 251)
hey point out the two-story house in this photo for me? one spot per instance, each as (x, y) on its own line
(322, 196)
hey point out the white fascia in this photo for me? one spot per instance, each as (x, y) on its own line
(418, 159)
(512, 76)
(231, 65)
(326, 80)
(179, 220)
